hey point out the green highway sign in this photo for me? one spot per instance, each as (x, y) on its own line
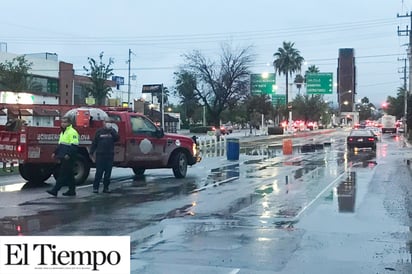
(278, 99)
(263, 83)
(319, 83)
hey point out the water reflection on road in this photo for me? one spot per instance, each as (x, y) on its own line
(267, 172)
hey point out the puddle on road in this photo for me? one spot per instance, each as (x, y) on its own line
(346, 191)
(364, 158)
(82, 208)
(143, 190)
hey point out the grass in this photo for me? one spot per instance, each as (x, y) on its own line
(8, 171)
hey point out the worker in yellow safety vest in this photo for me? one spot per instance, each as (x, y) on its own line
(65, 154)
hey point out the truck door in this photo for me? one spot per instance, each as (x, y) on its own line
(144, 147)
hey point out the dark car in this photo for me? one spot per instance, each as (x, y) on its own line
(361, 138)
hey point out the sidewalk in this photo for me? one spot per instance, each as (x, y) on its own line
(245, 136)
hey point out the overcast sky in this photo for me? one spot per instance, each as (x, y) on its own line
(159, 31)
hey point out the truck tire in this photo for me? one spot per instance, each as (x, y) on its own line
(35, 173)
(81, 170)
(179, 164)
(139, 171)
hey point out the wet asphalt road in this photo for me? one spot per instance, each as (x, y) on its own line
(325, 211)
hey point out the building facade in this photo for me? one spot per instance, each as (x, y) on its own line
(346, 86)
(346, 79)
(52, 77)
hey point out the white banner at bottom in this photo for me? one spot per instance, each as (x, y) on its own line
(64, 254)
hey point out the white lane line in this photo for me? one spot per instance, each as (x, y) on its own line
(319, 195)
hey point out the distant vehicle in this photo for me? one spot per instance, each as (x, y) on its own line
(400, 126)
(388, 123)
(223, 129)
(229, 127)
(312, 126)
(361, 138)
(376, 131)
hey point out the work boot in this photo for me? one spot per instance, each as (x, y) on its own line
(106, 190)
(52, 192)
(69, 193)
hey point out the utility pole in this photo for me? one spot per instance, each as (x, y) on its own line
(128, 79)
(163, 110)
(405, 99)
(406, 32)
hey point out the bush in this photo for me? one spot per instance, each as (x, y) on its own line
(275, 130)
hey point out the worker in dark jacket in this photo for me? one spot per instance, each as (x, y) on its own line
(65, 154)
(103, 146)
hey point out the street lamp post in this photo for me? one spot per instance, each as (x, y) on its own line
(163, 111)
(128, 80)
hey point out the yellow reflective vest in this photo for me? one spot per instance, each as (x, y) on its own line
(68, 142)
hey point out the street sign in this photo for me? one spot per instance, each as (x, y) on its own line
(319, 83)
(263, 83)
(90, 101)
(152, 88)
(118, 79)
(279, 99)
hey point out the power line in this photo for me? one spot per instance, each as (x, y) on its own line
(202, 38)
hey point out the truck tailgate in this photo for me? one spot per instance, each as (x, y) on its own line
(10, 145)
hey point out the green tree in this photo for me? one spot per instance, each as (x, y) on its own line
(99, 73)
(299, 81)
(396, 107)
(185, 90)
(220, 84)
(309, 108)
(396, 104)
(166, 94)
(14, 75)
(365, 108)
(312, 69)
(287, 61)
(256, 105)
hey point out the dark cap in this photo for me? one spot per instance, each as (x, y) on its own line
(67, 119)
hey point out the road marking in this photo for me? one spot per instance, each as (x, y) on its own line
(319, 195)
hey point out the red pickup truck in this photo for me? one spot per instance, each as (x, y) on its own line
(142, 146)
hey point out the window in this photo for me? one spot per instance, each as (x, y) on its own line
(115, 118)
(141, 125)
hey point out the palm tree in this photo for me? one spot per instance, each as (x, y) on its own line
(99, 73)
(311, 69)
(287, 61)
(299, 80)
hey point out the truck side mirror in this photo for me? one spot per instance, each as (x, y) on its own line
(159, 133)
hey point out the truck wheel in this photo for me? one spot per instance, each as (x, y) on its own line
(179, 164)
(81, 170)
(35, 173)
(138, 171)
